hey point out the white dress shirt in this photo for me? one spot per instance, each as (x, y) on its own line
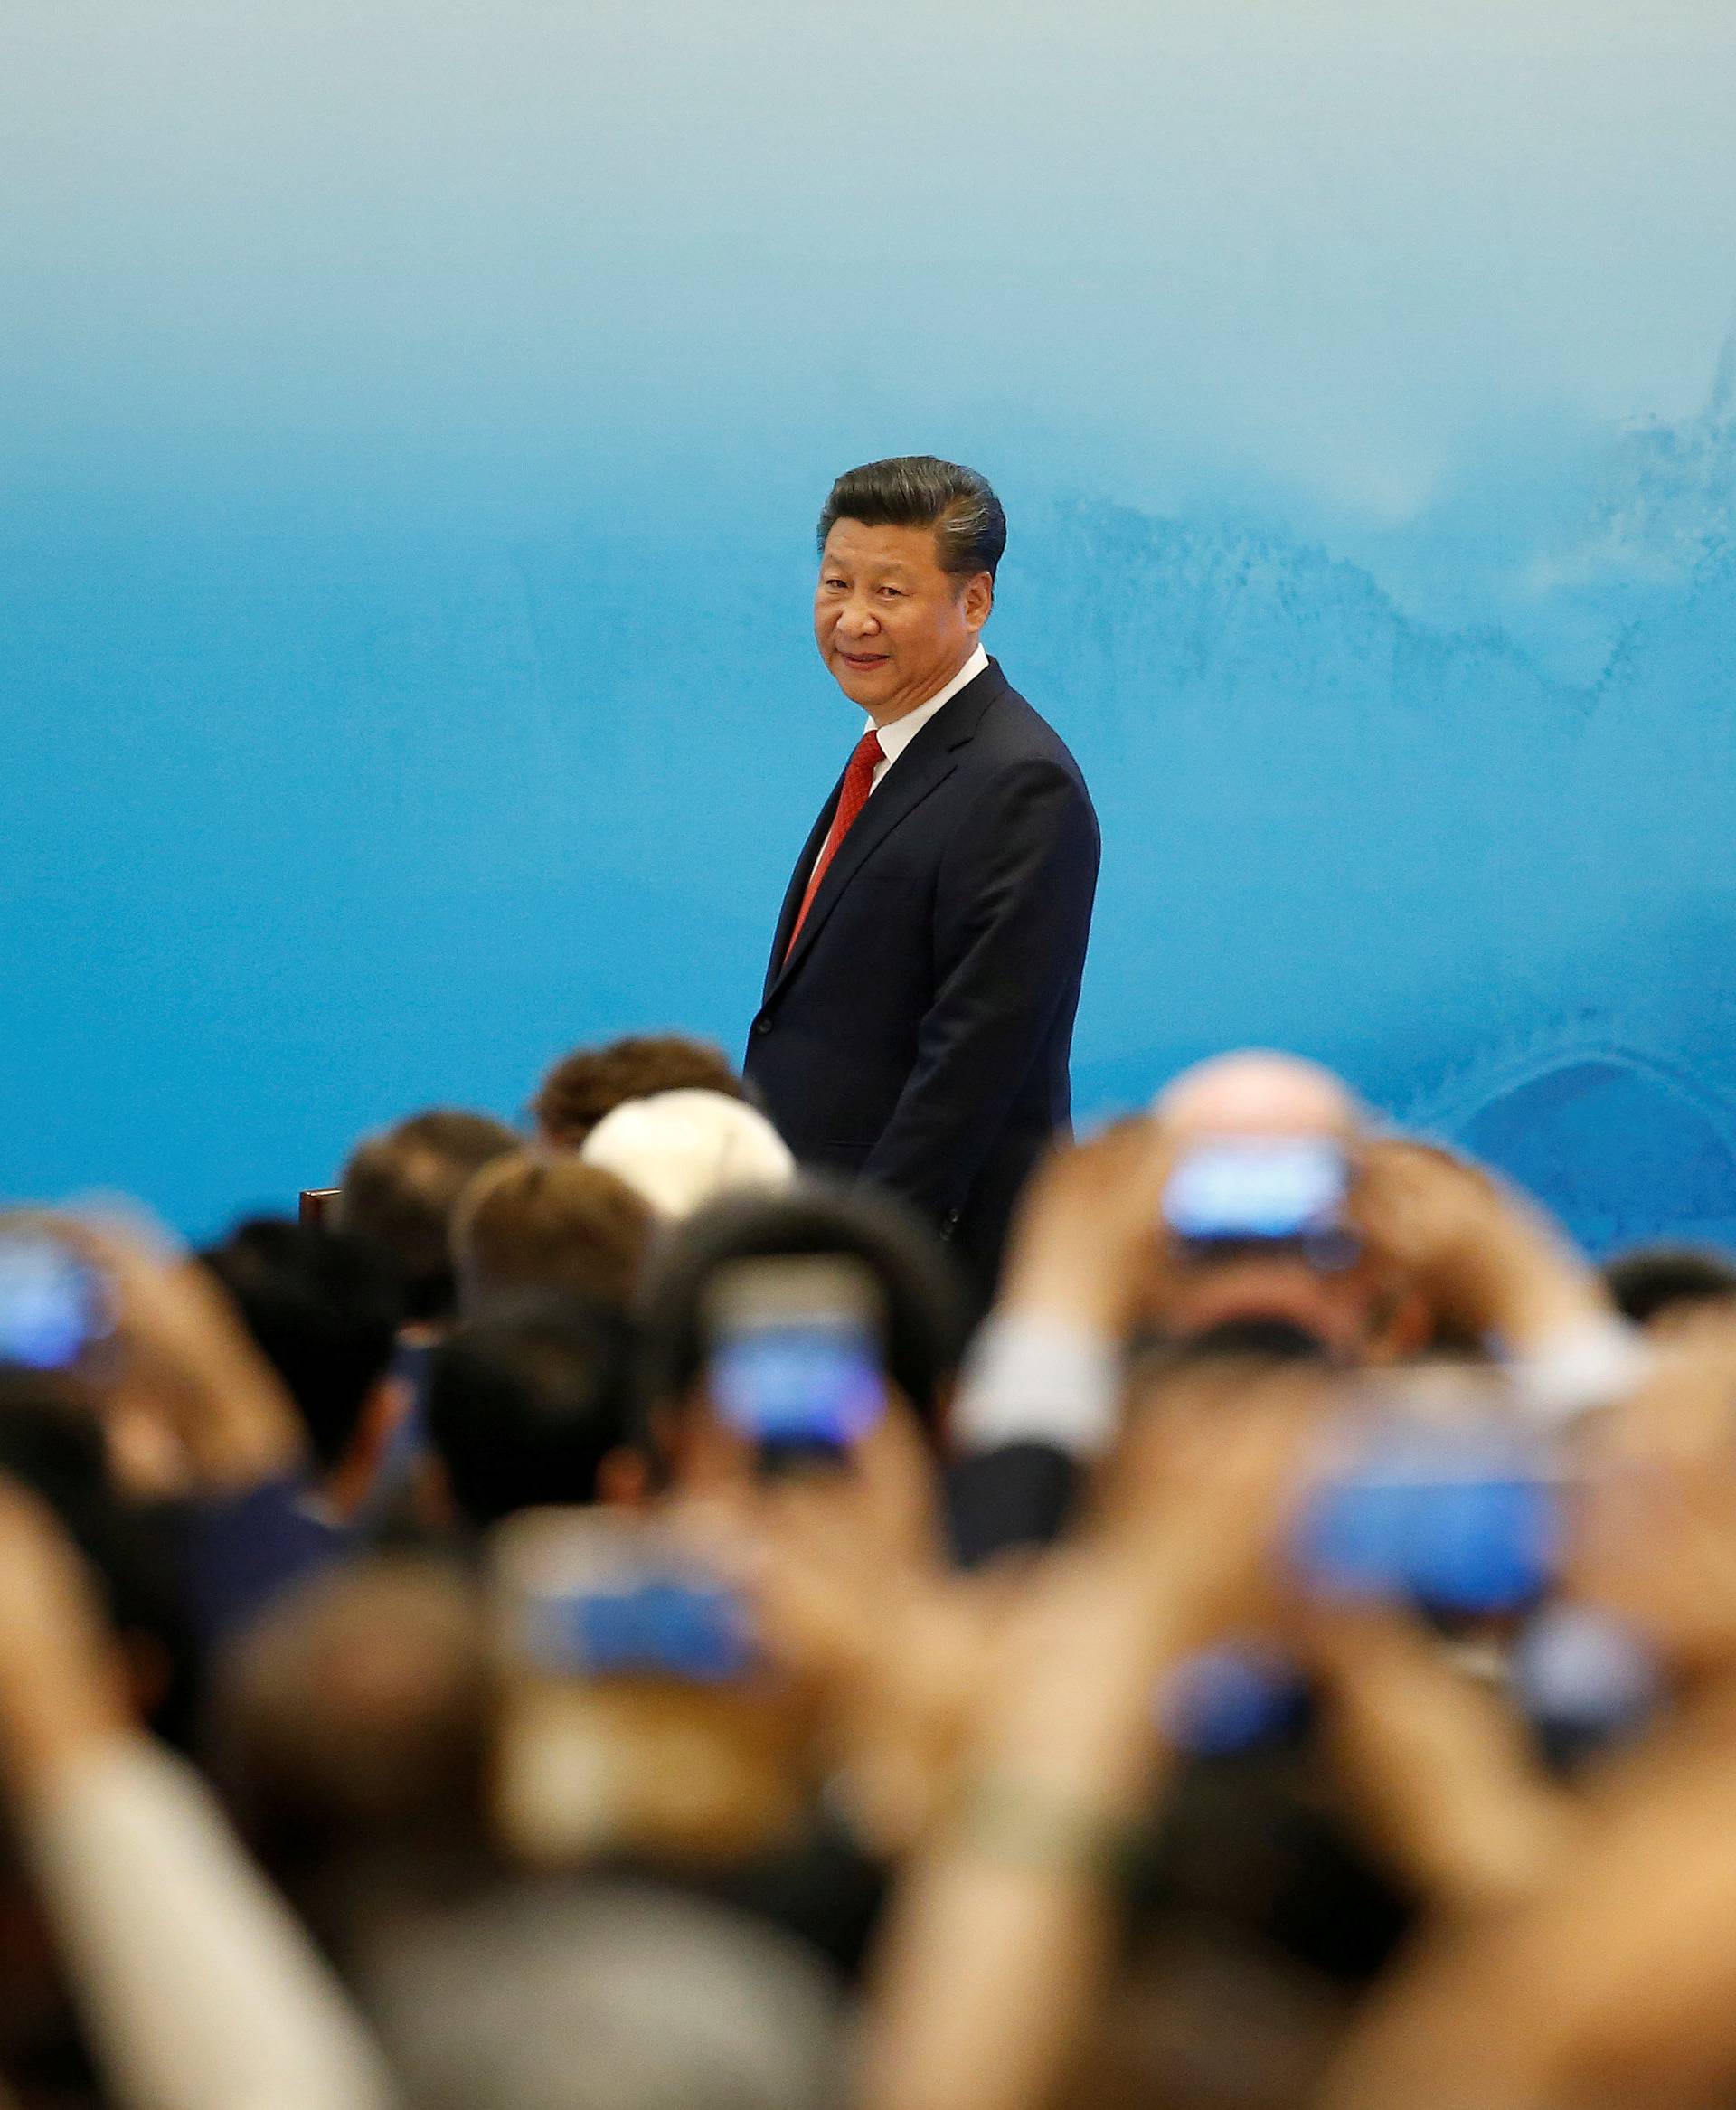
(897, 736)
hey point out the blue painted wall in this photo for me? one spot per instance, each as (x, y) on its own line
(411, 421)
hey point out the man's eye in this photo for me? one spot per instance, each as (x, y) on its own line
(836, 585)
(892, 592)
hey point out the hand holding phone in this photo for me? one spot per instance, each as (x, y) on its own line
(1437, 1495)
(56, 1311)
(636, 1713)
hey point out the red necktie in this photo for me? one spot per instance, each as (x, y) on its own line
(853, 796)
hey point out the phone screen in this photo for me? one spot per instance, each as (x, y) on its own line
(796, 1361)
(636, 1710)
(1256, 1190)
(793, 1385)
(652, 1624)
(53, 1305)
(1462, 1515)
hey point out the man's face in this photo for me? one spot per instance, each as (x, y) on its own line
(891, 625)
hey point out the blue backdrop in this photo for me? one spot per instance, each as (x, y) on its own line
(412, 422)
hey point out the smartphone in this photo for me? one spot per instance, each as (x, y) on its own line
(600, 1598)
(1431, 1492)
(795, 1358)
(636, 1712)
(1230, 1192)
(1438, 1494)
(55, 1307)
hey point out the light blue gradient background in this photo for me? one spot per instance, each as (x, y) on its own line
(412, 422)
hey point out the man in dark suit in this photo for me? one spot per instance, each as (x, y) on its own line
(918, 1008)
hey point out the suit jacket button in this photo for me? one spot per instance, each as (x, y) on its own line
(762, 1024)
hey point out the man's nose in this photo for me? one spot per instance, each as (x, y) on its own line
(859, 620)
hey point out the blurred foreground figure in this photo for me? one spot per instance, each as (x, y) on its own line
(1293, 1662)
(1200, 1313)
(1261, 1150)
(604, 1996)
(1254, 1212)
(199, 1990)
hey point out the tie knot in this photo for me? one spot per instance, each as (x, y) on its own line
(869, 749)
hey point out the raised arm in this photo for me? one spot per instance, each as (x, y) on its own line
(200, 1991)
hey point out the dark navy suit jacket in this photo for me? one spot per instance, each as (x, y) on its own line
(918, 1033)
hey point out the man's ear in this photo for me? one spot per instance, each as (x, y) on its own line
(382, 1411)
(978, 599)
(387, 1408)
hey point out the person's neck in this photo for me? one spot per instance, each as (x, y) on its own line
(881, 719)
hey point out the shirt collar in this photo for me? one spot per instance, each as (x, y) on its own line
(897, 736)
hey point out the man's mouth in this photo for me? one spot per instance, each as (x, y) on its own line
(863, 661)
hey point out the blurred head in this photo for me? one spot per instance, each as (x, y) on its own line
(534, 1220)
(324, 1311)
(399, 1188)
(356, 1711)
(682, 1150)
(1279, 1299)
(603, 1996)
(56, 1449)
(907, 553)
(1656, 1281)
(592, 1082)
(925, 1325)
(529, 1403)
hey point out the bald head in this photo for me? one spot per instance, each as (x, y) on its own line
(1253, 1091)
(1263, 1105)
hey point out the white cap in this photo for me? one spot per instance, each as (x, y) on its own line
(680, 1150)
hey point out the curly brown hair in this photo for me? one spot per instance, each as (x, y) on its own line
(592, 1082)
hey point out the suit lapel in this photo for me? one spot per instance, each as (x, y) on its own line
(797, 886)
(929, 761)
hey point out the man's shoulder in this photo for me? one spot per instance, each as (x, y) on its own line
(1011, 731)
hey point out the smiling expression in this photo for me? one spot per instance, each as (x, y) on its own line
(892, 626)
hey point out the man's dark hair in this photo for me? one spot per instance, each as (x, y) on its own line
(525, 1403)
(1669, 1278)
(324, 1311)
(399, 1188)
(592, 1082)
(924, 1305)
(54, 1445)
(918, 491)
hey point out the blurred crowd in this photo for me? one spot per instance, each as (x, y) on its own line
(594, 1617)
